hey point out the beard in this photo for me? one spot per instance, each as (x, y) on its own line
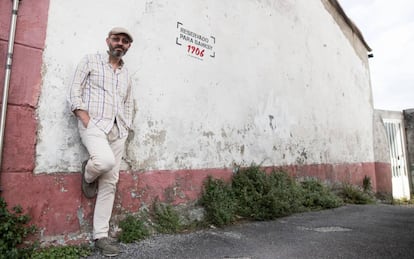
(117, 51)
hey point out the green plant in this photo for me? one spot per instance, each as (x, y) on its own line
(354, 195)
(166, 218)
(263, 196)
(402, 201)
(218, 201)
(68, 252)
(317, 196)
(385, 198)
(133, 229)
(14, 229)
(366, 184)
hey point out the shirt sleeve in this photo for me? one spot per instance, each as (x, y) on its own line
(129, 105)
(77, 86)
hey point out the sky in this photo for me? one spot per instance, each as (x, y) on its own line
(388, 28)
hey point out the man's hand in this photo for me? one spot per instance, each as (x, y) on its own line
(83, 116)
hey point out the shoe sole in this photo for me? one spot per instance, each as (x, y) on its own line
(84, 191)
(110, 254)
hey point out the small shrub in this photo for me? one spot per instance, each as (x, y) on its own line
(366, 184)
(14, 229)
(133, 229)
(385, 198)
(354, 195)
(317, 196)
(218, 201)
(167, 219)
(68, 252)
(263, 196)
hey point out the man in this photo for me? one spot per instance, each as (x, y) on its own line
(100, 97)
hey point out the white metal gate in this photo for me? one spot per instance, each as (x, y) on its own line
(396, 144)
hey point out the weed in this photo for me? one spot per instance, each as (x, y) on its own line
(385, 198)
(366, 184)
(355, 195)
(317, 196)
(255, 194)
(218, 201)
(133, 229)
(14, 229)
(166, 218)
(263, 196)
(68, 252)
(403, 201)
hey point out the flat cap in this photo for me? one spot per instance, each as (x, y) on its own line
(120, 30)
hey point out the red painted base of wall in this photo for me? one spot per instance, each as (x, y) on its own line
(58, 207)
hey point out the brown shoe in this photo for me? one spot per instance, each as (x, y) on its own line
(107, 246)
(88, 189)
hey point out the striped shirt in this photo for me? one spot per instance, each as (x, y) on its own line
(103, 92)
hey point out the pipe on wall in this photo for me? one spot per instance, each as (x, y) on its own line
(9, 60)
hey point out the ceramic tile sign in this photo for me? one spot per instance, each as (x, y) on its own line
(195, 44)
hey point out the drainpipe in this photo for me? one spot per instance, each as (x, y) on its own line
(9, 60)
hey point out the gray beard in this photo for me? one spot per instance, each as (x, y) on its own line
(117, 53)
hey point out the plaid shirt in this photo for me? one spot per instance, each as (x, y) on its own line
(103, 92)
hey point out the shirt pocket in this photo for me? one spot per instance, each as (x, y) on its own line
(96, 79)
(122, 89)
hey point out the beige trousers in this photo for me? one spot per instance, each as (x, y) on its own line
(105, 155)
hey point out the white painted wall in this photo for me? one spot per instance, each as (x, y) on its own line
(285, 86)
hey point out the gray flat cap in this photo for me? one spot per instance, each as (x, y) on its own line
(120, 30)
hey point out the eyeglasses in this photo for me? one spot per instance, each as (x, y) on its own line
(118, 39)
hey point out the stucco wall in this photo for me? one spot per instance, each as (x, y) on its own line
(381, 151)
(285, 86)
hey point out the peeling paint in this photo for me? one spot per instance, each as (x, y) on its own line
(303, 156)
(208, 134)
(271, 117)
(242, 149)
(80, 216)
(135, 195)
(155, 137)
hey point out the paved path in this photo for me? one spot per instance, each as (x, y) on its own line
(353, 231)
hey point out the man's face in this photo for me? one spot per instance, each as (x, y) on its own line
(118, 45)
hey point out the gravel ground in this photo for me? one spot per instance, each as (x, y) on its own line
(164, 245)
(352, 231)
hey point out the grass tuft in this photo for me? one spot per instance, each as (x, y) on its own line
(355, 195)
(262, 196)
(167, 219)
(133, 229)
(69, 252)
(317, 196)
(218, 201)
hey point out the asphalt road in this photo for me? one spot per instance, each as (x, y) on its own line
(353, 231)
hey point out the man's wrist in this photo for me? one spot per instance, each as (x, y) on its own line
(79, 112)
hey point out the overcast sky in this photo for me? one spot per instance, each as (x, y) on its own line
(388, 28)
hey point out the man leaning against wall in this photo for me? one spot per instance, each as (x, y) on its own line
(100, 97)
